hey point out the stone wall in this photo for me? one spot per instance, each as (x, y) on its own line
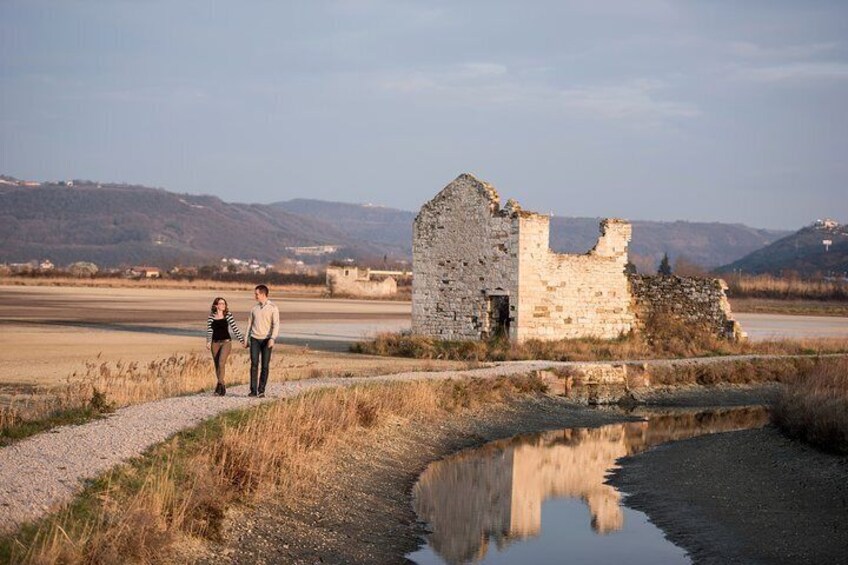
(356, 281)
(463, 254)
(690, 300)
(570, 296)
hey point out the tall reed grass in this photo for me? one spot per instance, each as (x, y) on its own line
(101, 387)
(785, 288)
(814, 408)
(670, 341)
(183, 488)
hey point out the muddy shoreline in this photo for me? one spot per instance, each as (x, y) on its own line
(752, 496)
(361, 511)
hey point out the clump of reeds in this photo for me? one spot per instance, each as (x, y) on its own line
(668, 339)
(785, 288)
(184, 487)
(814, 407)
(101, 387)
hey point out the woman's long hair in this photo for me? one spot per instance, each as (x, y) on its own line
(226, 306)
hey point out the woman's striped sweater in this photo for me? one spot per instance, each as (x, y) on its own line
(230, 322)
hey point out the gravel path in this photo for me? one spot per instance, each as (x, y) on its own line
(41, 473)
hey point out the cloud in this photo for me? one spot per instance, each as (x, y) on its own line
(493, 85)
(796, 72)
(757, 51)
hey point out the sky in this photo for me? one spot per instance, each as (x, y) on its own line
(643, 109)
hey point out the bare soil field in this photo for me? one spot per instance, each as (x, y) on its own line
(50, 332)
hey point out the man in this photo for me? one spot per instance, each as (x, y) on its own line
(263, 325)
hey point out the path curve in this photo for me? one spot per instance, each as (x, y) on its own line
(40, 474)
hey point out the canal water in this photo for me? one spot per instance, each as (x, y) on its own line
(543, 498)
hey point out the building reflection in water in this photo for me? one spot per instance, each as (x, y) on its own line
(496, 493)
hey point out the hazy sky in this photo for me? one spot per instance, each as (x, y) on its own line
(644, 109)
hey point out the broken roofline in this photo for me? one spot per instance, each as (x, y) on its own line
(513, 209)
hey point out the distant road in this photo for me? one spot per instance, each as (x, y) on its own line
(767, 326)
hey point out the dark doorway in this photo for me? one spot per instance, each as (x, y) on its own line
(499, 316)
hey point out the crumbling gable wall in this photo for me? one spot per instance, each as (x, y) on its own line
(568, 295)
(464, 254)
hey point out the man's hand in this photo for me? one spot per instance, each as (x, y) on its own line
(270, 343)
(244, 344)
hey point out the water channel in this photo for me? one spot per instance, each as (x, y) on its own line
(542, 498)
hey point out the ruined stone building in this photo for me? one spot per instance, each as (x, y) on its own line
(480, 269)
(359, 282)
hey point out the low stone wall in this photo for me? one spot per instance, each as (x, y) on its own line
(690, 300)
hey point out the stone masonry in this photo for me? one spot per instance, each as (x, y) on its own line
(480, 269)
(691, 300)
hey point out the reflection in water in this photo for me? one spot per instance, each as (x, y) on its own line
(495, 493)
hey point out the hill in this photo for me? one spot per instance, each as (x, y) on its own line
(114, 224)
(707, 244)
(802, 252)
(119, 224)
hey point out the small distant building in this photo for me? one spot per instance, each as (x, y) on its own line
(46, 265)
(827, 223)
(83, 269)
(358, 282)
(314, 250)
(145, 272)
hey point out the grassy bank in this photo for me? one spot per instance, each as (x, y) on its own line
(814, 408)
(182, 489)
(666, 342)
(101, 387)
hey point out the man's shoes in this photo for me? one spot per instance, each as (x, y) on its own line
(261, 395)
(218, 389)
(252, 394)
(223, 389)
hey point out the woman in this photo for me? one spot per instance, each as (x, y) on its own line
(218, 339)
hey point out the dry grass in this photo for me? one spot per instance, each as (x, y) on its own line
(101, 387)
(794, 307)
(814, 407)
(183, 488)
(197, 284)
(752, 371)
(668, 339)
(785, 288)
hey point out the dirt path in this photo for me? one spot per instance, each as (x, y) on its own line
(39, 474)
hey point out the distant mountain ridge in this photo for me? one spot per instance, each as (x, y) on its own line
(707, 244)
(118, 224)
(803, 252)
(113, 224)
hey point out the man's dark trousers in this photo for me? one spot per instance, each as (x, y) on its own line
(259, 348)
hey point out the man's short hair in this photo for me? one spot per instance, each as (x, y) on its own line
(262, 289)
